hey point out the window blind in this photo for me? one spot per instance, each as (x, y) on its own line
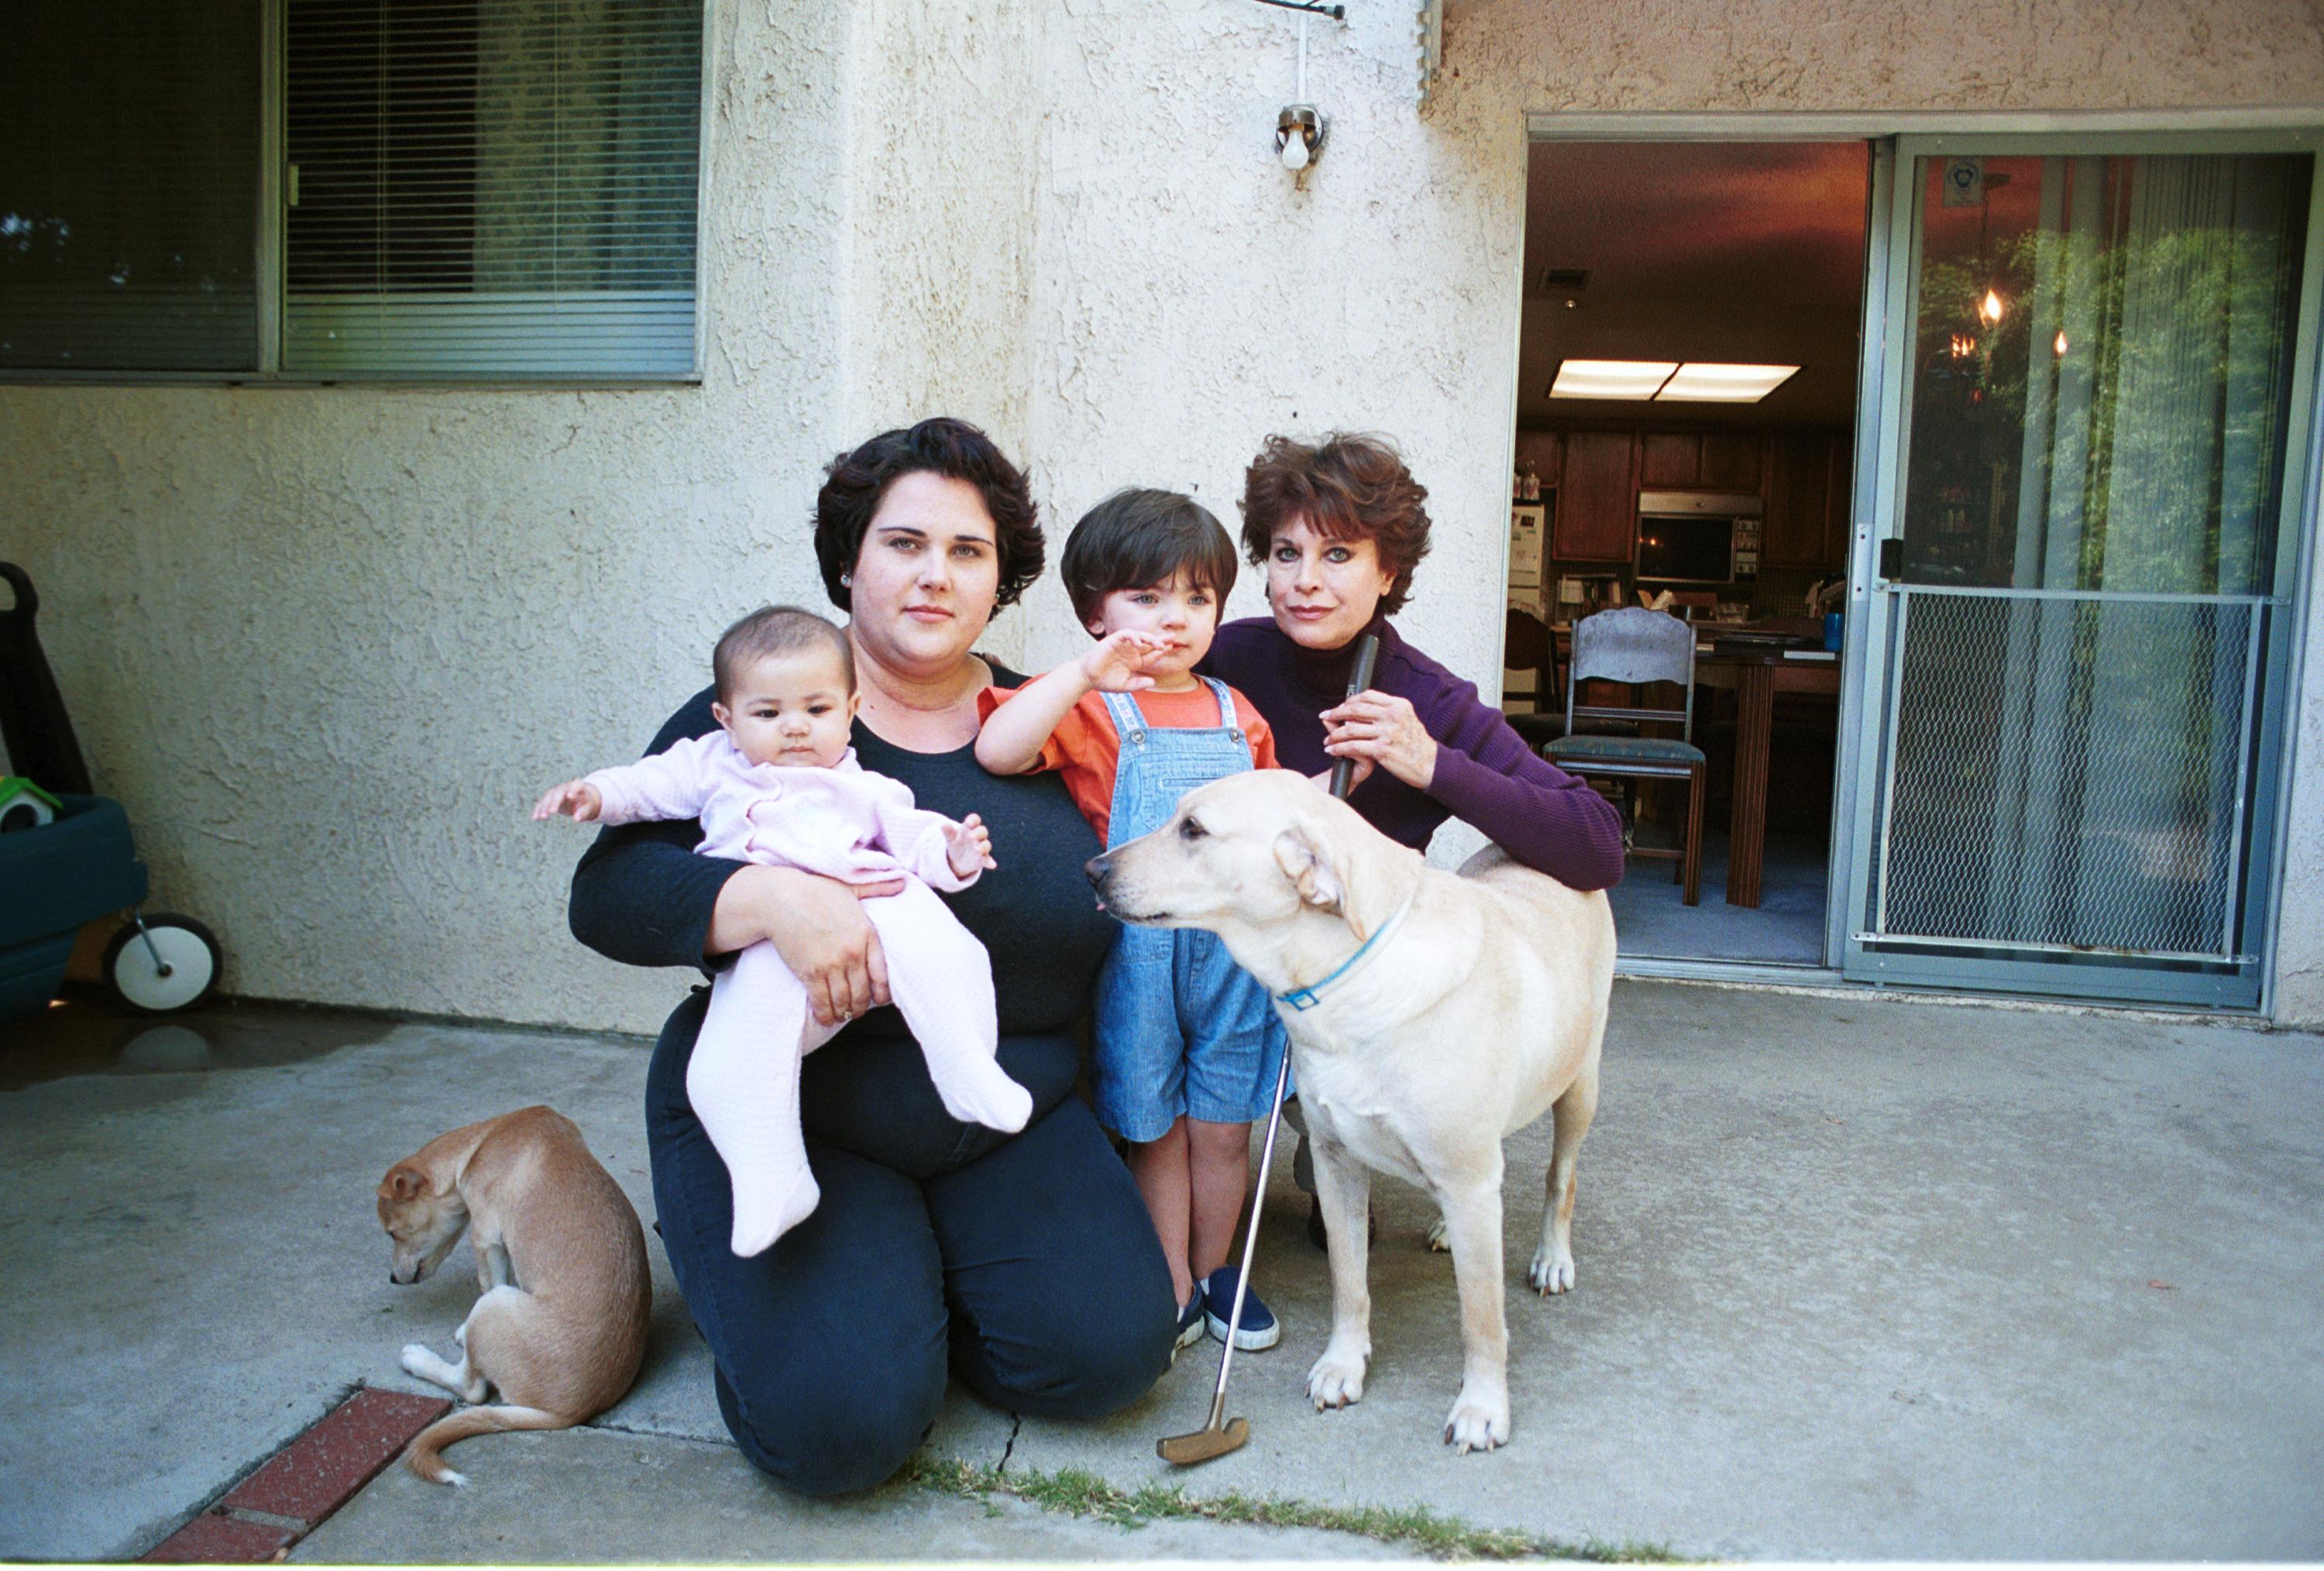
(129, 165)
(489, 187)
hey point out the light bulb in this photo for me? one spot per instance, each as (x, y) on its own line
(2059, 345)
(1295, 150)
(1991, 310)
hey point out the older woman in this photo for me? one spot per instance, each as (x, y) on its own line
(1339, 526)
(1023, 1262)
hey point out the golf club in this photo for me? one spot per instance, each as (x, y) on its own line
(1222, 1435)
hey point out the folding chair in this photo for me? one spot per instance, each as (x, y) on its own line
(1635, 645)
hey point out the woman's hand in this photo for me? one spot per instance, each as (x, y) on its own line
(817, 925)
(1385, 729)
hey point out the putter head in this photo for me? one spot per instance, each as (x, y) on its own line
(1186, 1450)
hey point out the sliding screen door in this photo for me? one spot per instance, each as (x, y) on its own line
(2092, 478)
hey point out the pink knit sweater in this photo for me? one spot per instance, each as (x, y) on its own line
(843, 822)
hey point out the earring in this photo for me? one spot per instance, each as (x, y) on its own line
(845, 580)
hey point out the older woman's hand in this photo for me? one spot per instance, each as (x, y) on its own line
(1383, 728)
(817, 925)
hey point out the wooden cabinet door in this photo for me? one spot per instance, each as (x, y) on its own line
(1730, 461)
(1596, 499)
(1799, 492)
(1670, 458)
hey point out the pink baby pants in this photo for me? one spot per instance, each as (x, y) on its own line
(744, 1078)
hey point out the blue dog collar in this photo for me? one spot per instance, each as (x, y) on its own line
(1307, 998)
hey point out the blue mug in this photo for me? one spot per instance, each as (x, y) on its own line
(1832, 631)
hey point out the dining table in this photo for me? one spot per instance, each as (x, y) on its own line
(1754, 676)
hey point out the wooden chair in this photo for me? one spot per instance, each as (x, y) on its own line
(1637, 646)
(1527, 646)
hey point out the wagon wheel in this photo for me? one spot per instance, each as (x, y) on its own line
(173, 964)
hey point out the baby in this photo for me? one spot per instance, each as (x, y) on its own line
(1187, 1045)
(778, 784)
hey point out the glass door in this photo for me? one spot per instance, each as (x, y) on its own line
(2089, 491)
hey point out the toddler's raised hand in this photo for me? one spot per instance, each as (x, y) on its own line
(968, 847)
(575, 798)
(1117, 663)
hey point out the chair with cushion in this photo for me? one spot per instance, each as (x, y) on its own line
(1637, 646)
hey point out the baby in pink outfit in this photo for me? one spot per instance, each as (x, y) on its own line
(778, 784)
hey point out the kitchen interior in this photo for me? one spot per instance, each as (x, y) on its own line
(1686, 435)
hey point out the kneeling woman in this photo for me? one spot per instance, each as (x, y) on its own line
(1024, 1263)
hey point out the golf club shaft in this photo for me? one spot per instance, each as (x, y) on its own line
(1342, 776)
(1343, 772)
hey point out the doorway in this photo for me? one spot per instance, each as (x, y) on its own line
(1687, 414)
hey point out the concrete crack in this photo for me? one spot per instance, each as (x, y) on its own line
(1016, 1423)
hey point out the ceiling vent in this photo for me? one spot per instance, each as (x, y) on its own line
(1565, 281)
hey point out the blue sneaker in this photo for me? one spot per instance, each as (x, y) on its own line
(1190, 1324)
(1258, 1330)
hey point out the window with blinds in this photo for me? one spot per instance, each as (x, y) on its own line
(485, 188)
(471, 190)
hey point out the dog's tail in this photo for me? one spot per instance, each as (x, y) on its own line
(425, 1455)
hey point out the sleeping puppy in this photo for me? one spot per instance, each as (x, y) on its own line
(1430, 1015)
(561, 1326)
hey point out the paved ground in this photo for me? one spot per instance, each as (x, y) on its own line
(1858, 1278)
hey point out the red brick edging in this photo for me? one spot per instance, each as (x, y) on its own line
(318, 1473)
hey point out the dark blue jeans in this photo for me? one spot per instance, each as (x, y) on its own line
(1026, 1262)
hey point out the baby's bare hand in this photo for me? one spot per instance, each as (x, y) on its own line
(968, 846)
(575, 798)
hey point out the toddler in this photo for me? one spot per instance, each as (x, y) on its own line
(1188, 1046)
(778, 784)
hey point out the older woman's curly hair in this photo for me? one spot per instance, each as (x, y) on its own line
(856, 481)
(1348, 487)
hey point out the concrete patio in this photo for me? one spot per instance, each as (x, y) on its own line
(1859, 1277)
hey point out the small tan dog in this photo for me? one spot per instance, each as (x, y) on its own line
(560, 1326)
(1430, 1015)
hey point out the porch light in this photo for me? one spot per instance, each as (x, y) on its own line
(1610, 378)
(1699, 382)
(1990, 307)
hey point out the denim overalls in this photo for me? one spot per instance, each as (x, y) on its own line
(1181, 1028)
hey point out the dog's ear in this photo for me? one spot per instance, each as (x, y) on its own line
(404, 1182)
(1304, 863)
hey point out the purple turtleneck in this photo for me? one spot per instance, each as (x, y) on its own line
(1486, 776)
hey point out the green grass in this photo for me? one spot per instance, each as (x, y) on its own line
(1072, 1492)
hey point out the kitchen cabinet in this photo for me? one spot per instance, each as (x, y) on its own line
(1596, 499)
(1670, 458)
(1730, 461)
(1805, 523)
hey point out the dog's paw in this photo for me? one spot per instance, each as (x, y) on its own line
(1438, 1244)
(1335, 1380)
(419, 1361)
(1552, 1273)
(1478, 1422)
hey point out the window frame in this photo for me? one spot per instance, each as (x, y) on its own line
(271, 252)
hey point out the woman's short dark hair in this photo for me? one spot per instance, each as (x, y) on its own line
(1140, 540)
(856, 482)
(1347, 486)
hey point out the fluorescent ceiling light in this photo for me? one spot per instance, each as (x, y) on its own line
(1610, 378)
(1700, 382)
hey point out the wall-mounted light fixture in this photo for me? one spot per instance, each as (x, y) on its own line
(1300, 128)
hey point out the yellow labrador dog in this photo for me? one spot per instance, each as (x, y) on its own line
(1430, 1015)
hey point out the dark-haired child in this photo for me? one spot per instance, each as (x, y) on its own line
(778, 784)
(1188, 1046)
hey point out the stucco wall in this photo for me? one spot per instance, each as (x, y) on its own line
(327, 642)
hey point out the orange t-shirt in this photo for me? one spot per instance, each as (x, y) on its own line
(1085, 748)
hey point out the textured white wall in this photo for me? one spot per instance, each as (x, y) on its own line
(326, 643)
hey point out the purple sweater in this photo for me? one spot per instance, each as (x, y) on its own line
(1486, 775)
